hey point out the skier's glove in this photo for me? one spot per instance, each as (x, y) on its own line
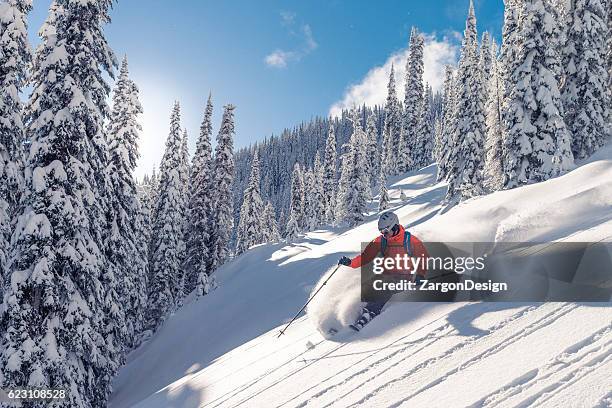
(346, 261)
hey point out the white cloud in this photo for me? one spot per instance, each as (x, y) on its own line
(311, 44)
(287, 17)
(281, 58)
(372, 89)
(278, 59)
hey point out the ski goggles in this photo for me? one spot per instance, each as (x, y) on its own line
(385, 231)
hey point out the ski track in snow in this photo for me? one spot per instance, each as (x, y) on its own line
(249, 384)
(434, 336)
(291, 374)
(534, 388)
(437, 334)
(585, 356)
(515, 335)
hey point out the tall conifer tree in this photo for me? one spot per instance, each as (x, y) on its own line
(167, 237)
(53, 312)
(199, 208)
(223, 178)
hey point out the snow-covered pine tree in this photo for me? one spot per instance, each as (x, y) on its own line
(372, 151)
(319, 193)
(296, 205)
(292, 229)
(127, 250)
(154, 183)
(271, 233)
(354, 186)
(425, 137)
(15, 55)
(493, 169)
(446, 125)
(52, 316)
(383, 195)
(310, 201)
(329, 175)
(510, 45)
(586, 76)
(508, 64)
(465, 177)
(146, 209)
(199, 208)
(185, 168)
(486, 62)
(223, 177)
(392, 129)
(344, 182)
(536, 141)
(167, 236)
(409, 155)
(609, 68)
(251, 227)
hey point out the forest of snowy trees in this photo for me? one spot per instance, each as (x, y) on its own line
(93, 261)
(508, 115)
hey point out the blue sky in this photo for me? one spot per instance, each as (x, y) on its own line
(279, 62)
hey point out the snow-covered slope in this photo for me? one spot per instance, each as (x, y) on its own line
(223, 350)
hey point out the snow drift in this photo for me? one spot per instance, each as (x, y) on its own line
(337, 304)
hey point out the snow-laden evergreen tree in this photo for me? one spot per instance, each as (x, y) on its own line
(251, 226)
(318, 192)
(423, 152)
(271, 233)
(223, 177)
(372, 151)
(310, 201)
(392, 129)
(127, 250)
(52, 316)
(296, 208)
(383, 195)
(446, 124)
(354, 185)
(508, 63)
(409, 156)
(329, 176)
(536, 141)
(494, 170)
(486, 58)
(185, 168)
(292, 229)
(584, 92)
(145, 197)
(609, 68)
(297, 196)
(344, 182)
(465, 177)
(167, 236)
(154, 183)
(199, 209)
(15, 54)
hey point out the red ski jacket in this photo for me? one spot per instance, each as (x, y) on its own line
(395, 246)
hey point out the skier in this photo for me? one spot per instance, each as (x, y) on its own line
(393, 240)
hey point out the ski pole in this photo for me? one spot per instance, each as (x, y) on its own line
(306, 304)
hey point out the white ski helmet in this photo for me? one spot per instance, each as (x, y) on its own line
(387, 220)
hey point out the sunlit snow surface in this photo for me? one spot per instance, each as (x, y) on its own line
(222, 350)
